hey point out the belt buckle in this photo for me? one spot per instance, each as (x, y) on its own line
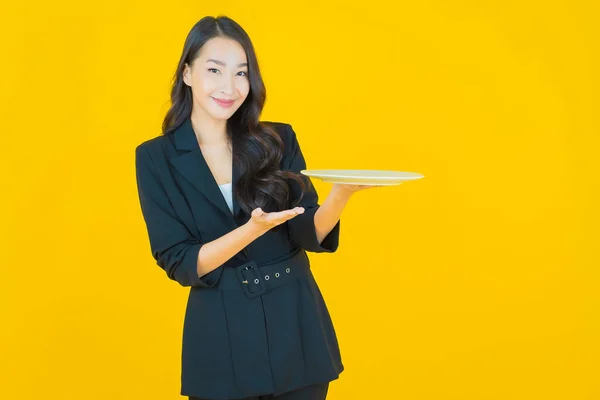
(245, 281)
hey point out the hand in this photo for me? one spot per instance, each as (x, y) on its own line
(350, 189)
(265, 221)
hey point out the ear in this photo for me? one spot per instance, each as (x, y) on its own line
(186, 75)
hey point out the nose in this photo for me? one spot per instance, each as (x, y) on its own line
(228, 86)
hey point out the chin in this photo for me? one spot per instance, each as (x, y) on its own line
(223, 113)
(222, 116)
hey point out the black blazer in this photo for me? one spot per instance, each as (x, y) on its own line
(235, 346)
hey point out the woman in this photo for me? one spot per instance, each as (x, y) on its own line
(229, 216)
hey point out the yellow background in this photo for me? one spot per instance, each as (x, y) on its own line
(478, 282)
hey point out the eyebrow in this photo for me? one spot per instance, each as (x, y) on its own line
(223, 64)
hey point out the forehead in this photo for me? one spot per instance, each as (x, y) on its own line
(223, 49)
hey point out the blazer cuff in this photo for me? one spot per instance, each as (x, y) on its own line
(191, 259)
(304, 234)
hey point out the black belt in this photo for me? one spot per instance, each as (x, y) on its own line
(256, 279)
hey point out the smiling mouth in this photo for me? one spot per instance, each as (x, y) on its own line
(223, 103)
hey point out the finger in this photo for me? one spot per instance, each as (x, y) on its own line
(296, 211)
(293, 212)
(282, 216)
(257, 213)
(287, 214)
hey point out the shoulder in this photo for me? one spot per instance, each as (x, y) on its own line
(152, 143)
(155, 148)
(285, 131)
(164, 143)
(283, 128)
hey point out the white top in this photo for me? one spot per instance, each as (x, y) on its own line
(227, 194)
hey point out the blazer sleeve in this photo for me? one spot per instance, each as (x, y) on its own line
(302, 227)
(172, 245)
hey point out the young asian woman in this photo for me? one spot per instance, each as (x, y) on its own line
(230, 217)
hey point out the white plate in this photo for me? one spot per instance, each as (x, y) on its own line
(362, 176)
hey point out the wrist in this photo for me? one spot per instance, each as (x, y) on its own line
(340, 193)
(255, 229)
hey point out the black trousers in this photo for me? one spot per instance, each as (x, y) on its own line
(312, 392)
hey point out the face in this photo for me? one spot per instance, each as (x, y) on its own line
(218, 73)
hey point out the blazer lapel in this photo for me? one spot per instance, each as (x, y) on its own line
(192, 165)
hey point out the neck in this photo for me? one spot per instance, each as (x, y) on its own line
(208, 130)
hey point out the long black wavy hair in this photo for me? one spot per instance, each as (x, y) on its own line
(257, 147)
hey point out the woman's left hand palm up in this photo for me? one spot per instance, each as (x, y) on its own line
(352, 188)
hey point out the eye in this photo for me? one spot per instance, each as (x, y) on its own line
(244, 72)
(210, 69)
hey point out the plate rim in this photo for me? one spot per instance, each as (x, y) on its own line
(307, 172)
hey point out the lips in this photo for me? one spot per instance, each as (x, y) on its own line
(224, 103)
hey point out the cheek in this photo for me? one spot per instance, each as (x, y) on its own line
(207, 85)
(244, 87)
(204, 84)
